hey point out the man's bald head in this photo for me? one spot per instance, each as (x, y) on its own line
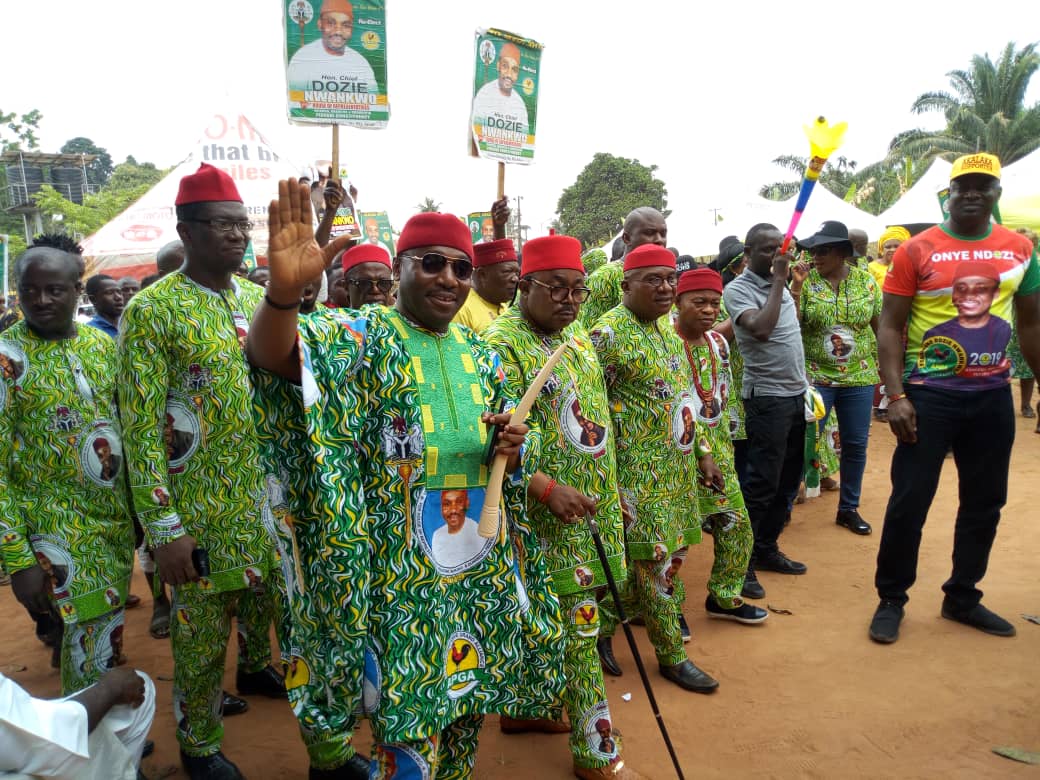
(859, 241)
(170, 258)
(55, 257)
(644, 225)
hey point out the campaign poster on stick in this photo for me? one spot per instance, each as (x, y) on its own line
(505, 96)
(481, 226)
(335, 60)
(377, 230)
(346, 220)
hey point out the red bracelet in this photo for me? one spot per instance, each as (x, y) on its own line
(897, 397)
(544, 499)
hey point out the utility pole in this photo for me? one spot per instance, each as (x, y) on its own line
(519, 226)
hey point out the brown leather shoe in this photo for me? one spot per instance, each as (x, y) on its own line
(617, 771)
(539, 725)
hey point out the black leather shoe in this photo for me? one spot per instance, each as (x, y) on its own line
(214, 767)
(606, 656)
(355, 769)
(884, 626)
(752, 587)
(687, 675)
(267, 682)
(232, 705)
(850, 519)
(780, 563)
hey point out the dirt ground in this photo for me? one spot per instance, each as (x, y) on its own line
(805, 695)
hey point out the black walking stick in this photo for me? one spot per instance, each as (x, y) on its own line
(594, 530)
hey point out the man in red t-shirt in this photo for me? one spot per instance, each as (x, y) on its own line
(954, 289)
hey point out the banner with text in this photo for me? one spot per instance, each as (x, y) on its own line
(505, 96)
(335, 60)
(377, 230)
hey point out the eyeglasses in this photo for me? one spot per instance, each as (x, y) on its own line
(364, 285)
(433, 263)
(821, 251)
(561, 294)
(225, 226)
(659, 281)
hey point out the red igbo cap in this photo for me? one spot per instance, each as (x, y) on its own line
(206, 185)
(972, 268)
(434, 229)
(365, 253)
(493, 253)
(699, 279)
(551, 253)
(649, 256)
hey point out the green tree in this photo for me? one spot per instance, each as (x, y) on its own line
(99, 169)
(23, 127)
(593, 209)
(428, 204)
(839, 176)
(128, 182)
(985, 112)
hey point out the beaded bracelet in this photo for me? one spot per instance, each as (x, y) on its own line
(544, 499)
(281, 306)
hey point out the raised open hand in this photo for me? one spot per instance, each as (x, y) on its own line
(292, 253)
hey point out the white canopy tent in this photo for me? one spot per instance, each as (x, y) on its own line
(738, 218)
(1020, 201)
(920, 203)
(127, 245)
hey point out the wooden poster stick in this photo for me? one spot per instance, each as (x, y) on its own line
(334, 173)
(501, 181)
(493, 495)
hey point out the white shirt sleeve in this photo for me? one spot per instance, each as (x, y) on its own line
(40, 737)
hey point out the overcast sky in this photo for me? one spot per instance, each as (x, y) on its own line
(710, 93)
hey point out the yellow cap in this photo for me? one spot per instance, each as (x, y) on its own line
(988, 164)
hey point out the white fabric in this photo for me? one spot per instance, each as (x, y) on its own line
(48, 738)
(490, 102)
(313, 63)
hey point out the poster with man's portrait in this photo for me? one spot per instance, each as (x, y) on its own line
(505, 96)
(335, 62)
(448, 522)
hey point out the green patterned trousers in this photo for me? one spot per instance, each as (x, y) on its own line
(89, 649)
(654, 591)
(733, 540)
(449, 756)
(199, 627)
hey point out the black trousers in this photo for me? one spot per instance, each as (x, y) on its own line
(980, 427)
(775, 459)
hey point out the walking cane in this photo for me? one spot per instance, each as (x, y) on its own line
(590, 521)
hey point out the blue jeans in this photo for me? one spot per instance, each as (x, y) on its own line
(852, 405)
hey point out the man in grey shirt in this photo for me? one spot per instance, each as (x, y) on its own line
(765, 323)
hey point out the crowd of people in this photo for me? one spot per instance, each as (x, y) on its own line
(310, 445)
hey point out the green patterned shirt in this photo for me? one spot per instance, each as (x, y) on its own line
(652, 399)
(714, 392)
(63, 501)
(394, 468)
(577, 446)
(188, 426)
(604, 293)
(840, 347)
(737, 431)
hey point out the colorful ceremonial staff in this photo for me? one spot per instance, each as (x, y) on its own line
(823, 140)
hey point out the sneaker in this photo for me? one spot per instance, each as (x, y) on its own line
(780, 563)
(981, 618)
(850, 518)
(752, 587)
(684, 628)
(884, 627)
(745, 613)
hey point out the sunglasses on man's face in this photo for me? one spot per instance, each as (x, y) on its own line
(364, 285)
(434, 262)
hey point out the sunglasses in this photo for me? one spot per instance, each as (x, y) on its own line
(433, 263)
(364, 285)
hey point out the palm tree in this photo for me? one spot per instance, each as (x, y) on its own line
(838, 176)
(985, 112)
(428, 204)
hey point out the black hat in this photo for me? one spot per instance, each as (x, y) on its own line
(829, 234)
